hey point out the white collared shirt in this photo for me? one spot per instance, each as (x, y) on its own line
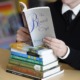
(75, 12)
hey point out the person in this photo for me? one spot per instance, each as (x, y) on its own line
(66, 45)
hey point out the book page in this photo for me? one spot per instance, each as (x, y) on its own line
(40, 24)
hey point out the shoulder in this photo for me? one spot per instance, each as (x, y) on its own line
(55, 5)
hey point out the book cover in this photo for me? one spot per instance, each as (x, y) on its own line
(39, 22)
(21, 46)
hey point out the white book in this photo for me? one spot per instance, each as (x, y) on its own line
(53, 75)
(18, 51)
(51, 71)
(51, 65)
(46, 67)
(39, 22)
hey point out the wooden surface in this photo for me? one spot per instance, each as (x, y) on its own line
(69, 73)
(4, 56)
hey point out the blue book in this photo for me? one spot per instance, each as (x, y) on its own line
(20, 54)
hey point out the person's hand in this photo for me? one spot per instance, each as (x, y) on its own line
(23, 35)
(58, 46)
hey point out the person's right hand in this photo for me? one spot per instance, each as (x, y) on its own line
(23, 35)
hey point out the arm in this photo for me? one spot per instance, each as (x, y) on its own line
(73, 59)
(60, 50)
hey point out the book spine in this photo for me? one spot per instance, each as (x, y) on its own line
(26, 59)
(26, 64)
(25, 70)
(26, 56)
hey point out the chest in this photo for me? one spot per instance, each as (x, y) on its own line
(68, 33)
(62, 29)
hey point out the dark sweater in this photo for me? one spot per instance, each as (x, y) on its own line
(67, 33)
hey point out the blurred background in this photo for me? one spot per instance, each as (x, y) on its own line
(11, 20)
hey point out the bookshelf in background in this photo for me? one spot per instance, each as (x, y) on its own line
(9, 22)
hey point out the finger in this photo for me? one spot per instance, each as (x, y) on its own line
(22, 29)
(23, 32)
(19, 38)
(53, 47)
(51, 43)
(53, 40)
(22, 38)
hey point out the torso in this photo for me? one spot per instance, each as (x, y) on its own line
(69, 35)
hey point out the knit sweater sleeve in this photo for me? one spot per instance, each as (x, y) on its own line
(73, 59)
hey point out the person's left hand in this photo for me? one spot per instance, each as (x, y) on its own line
(58, 46)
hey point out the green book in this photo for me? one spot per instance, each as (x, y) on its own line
(33, 66)
(26, 59)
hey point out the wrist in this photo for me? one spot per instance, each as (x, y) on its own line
(66, 54)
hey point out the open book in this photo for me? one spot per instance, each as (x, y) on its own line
(39, 23)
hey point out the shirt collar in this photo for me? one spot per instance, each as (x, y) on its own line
(66, 8)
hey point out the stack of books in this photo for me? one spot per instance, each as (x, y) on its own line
(34, 62)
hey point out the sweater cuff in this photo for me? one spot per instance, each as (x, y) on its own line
(68, 52)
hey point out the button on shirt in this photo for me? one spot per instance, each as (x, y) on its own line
(75, 12)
